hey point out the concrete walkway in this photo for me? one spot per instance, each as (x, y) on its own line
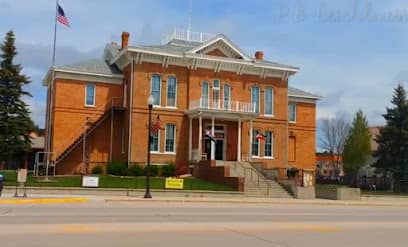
(41, 198)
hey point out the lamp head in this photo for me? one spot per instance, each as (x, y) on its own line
(150, 100)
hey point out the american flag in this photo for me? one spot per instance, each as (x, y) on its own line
(260, 136)
(61, 16)
(156, 125)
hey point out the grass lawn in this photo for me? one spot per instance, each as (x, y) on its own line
(107, 181)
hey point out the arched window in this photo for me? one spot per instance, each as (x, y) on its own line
(268, 144)
(204, 94)
(171, 91)
(227, 96)
(255, 98)
(268, 101)
(155, 89)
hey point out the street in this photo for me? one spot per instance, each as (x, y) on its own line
(100, 223)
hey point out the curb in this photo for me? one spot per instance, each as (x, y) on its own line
(43, 200)
(271, 202)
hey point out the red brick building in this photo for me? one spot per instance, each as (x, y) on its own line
(201, 84)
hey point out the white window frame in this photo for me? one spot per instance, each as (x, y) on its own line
(272, 103)
(272, 146)
(252, 144)
(208, 92)
(86, 94)
(167, 93)
(228, 103)
(174, 139)
(160, 88)
(158, 144)
(259, 98)
(295, 112)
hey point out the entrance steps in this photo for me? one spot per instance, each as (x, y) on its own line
(255, 183)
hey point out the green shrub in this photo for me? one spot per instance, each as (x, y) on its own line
(168, 170)
(135, 170)
(154, 170)
(97, 170)
(117, 168)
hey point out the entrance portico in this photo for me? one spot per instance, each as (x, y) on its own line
(224, 122)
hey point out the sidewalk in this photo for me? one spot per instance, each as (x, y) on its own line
(256, 200)
(68, 195)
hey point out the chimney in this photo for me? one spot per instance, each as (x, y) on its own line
(125, 39)
(259, 55)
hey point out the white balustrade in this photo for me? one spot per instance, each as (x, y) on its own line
(223, 105)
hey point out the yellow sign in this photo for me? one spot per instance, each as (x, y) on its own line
(174, 183)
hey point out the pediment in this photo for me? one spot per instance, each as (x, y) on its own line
(220, 46)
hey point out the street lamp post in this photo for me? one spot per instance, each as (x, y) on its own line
(150, 102)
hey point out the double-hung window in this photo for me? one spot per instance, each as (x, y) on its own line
(154, 143)
(268, 144)
(170, 138)
(269, 101)
(216, 93)
(171, 91)
(292, 112)
(90, 95)
(156, 89)
(227, 97)
(255, 98)
(255, 143)
(204, 94)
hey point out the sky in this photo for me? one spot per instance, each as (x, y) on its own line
(350, 52)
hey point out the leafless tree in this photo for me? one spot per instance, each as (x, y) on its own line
(333, 136)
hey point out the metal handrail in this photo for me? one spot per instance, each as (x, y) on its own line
(74, 135)
(259, 177)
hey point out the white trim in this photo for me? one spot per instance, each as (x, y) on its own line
(167, 92)
(272, 102)
(158, 144)
(259, 144)
(86, 94)
(208, 91)
(272, 145)
(88, 73)
(160, 87)
(174, 139)
(215, 40)
(259, 99)
(289, 120)
(304, 97)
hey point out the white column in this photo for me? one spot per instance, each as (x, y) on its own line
(250, 139)
(239, 141)
(190, 137)
(200, 135)
(212, 143)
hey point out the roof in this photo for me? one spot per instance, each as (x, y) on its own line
(182, 47)
(98, 66)
(37, 142)
(298, 93)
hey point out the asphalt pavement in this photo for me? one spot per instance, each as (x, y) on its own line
(154, 223)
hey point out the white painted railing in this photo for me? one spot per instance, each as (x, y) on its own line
(223, 105)
(182, 34)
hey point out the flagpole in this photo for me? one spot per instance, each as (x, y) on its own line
(55, 32)
(51, 93)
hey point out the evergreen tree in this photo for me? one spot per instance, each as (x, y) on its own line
(392, 150)
(357, 149)
(15, 122)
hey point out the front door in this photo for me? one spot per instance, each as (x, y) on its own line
(219, 150)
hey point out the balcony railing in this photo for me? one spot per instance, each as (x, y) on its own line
(223, 105)
(187, 35)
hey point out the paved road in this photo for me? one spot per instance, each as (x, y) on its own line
(99, 223)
